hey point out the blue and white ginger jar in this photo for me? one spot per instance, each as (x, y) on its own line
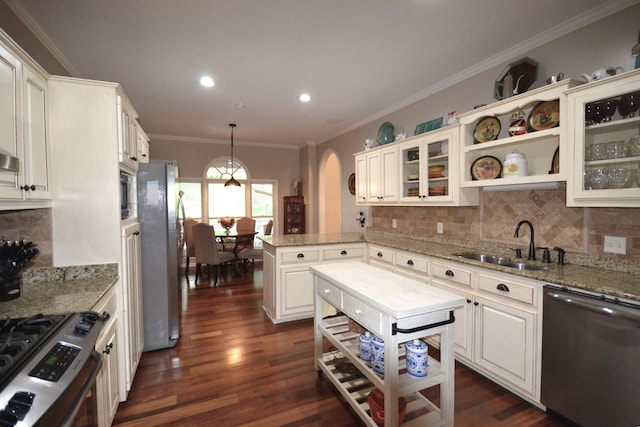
(417, 360)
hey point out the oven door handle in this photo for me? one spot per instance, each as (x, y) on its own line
(77, 404)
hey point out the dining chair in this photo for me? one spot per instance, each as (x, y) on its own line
(188, 237)
(268, 228)
(207, 251)
(245, 225)
(255, 253)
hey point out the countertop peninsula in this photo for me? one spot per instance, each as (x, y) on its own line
(600, 276)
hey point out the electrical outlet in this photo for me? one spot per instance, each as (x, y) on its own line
(394, 223)
(615, 245)
(440, 228)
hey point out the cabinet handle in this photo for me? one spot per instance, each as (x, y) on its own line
(358, 312)
(343, 252)
(380, 254)
(502, 287)
(134, 158)
(300, 256)
(468, 301)
(144, 155)
(476, 303)
(410, 262)
(107, 348)
(28, 187)
(449, 273)
(136, 233)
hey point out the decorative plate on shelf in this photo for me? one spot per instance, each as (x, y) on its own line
(555, 163)
(487, 129)
(545, 115)
(352, 183)
(486, 167)
(386, 133)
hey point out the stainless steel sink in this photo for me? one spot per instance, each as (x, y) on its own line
(491, 259)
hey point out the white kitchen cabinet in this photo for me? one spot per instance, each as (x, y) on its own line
(127, 135)
(23, 131)
(428, 172)
(379, 184)
(288, 280)
(107, 397)
(596, 160)
(142, 145)
(131, 323)
(84, 132)
(361, 180)
(484, 148)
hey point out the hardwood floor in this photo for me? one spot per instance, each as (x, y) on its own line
(233, 367)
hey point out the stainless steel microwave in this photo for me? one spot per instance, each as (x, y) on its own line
(127, 195)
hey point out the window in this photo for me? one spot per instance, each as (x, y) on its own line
(191, 199)
(261, 207)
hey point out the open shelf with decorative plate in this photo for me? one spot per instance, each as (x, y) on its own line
(533, 124)
(605, 135)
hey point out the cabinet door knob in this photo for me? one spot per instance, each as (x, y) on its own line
(300, 256)
(107, 348)
(326, 291)
(343, 252)
(136, 233)
(410, 262)
(379, 254)
(502, 287)
(134, 158)
(468, 301)
(449, 273)
(28, 187)
(358, 311)
(476, 303)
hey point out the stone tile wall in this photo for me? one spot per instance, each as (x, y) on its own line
(577, 230)
(31, 225)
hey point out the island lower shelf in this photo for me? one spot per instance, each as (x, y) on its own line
(355, 385)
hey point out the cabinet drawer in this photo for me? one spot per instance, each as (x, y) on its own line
(517, 291)
(107, 303)
(329, 292)
(311, 255)
(380, 254)
(343, 253)
(411, 262)
(452, 273)
(366, 316)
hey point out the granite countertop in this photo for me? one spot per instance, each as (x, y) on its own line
(579, 272)
(60, 290)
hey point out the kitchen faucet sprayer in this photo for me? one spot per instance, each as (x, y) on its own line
(532, 246)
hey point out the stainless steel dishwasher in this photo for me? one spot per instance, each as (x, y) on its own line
(591, 357)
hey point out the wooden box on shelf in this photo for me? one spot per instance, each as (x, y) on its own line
(294, 215)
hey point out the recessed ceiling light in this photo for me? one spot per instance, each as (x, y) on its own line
(305, 97)
(206, 81)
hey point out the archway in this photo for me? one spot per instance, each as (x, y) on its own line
(330, 212)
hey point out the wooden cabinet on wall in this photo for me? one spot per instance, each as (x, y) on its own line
(294, 215)
(23, 130)
(606, 146)
(86, 222)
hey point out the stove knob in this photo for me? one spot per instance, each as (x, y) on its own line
(82, 328)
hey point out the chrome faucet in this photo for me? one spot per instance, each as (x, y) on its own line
(532, 246)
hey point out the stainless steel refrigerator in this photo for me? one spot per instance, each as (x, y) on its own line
(158, 217)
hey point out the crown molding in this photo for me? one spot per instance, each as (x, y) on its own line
(40, 34)
(562, 29)
(199, 140)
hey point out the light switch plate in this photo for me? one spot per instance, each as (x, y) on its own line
(440, 228)
(615, 245)
(394, 223)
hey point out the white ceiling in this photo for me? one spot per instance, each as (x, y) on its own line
(359, 59)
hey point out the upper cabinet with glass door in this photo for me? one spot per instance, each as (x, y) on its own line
(605, 134)
(429, 170)
(532, 124)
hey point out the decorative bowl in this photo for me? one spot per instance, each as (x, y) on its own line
(376, 405)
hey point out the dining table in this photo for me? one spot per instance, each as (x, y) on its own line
(235, 241)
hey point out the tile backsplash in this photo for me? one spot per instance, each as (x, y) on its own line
(577, 230)
(31, 225)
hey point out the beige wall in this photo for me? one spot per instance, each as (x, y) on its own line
(280, 164)
(607, 42)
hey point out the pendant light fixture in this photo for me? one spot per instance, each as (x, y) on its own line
(232, 182)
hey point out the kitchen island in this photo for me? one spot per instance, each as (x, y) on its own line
(398, 310)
